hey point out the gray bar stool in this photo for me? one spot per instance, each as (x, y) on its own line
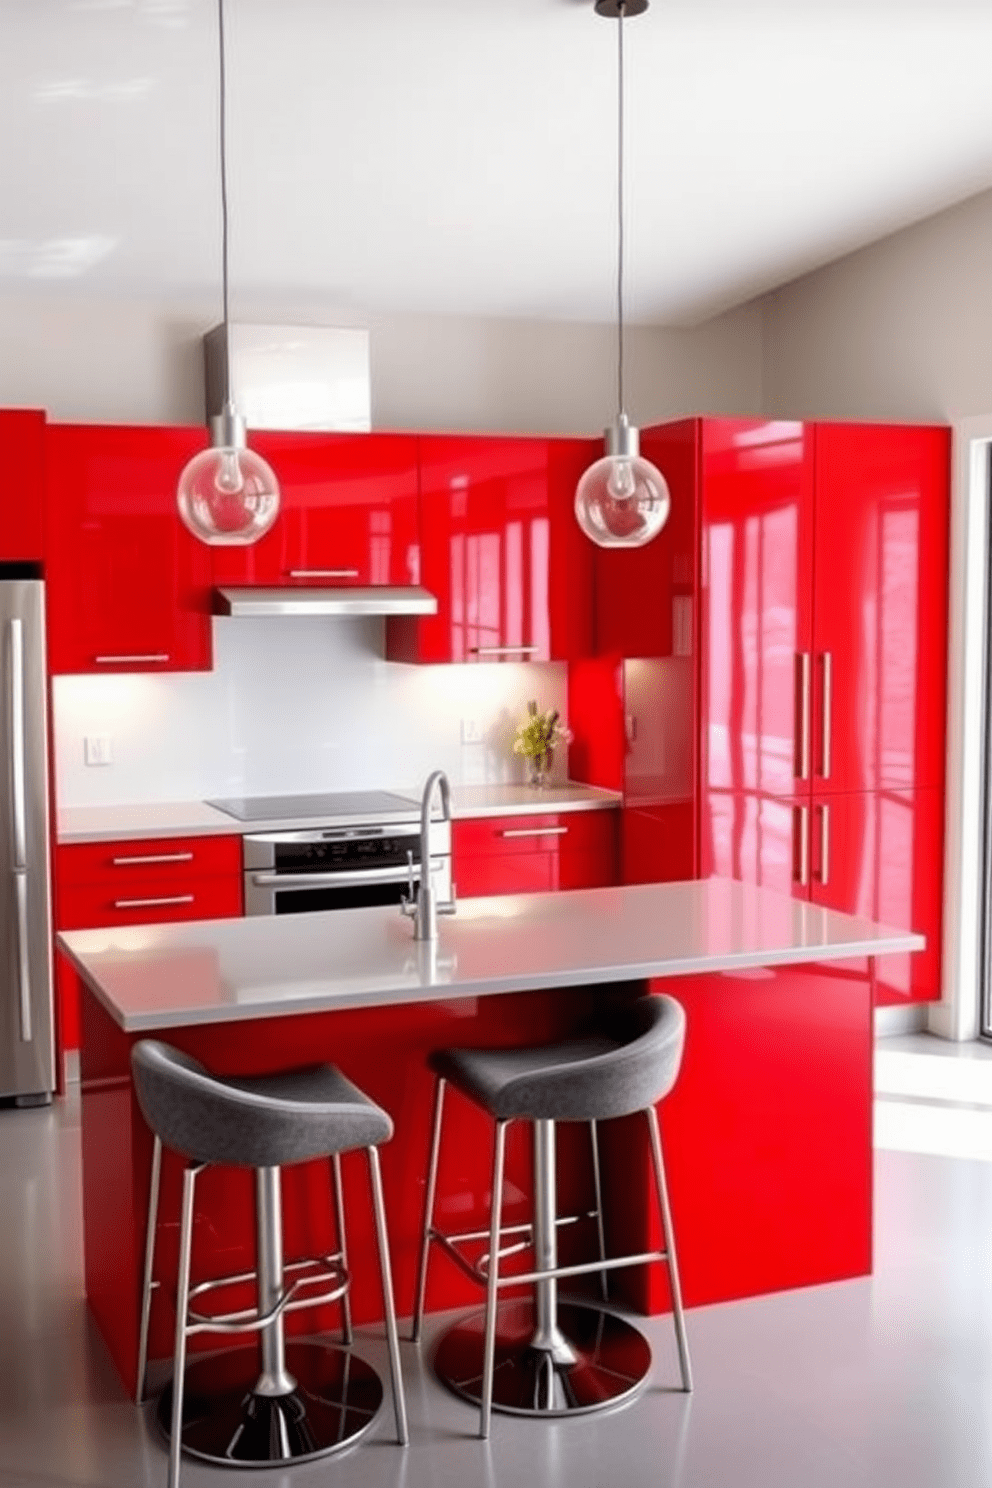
(301, 1400)
(541, 1359)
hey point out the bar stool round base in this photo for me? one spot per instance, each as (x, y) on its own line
(612, 1361)
(226, 1422)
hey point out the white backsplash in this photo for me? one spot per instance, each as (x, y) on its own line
(294, 705)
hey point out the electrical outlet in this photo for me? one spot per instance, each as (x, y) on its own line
(98, 749)
(471, 731)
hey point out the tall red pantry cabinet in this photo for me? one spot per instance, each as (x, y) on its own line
(823, 637)
(820, 634)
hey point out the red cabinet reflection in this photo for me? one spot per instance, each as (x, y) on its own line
(348, 513)
(502, 553)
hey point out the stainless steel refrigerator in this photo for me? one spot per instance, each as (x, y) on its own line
(27, 1049)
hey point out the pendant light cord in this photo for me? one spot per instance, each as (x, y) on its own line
(620, 154)
(223, 201)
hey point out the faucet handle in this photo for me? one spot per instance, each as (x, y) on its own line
(408, 903)
(449, 906)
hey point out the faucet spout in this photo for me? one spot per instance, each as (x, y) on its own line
(423, 907)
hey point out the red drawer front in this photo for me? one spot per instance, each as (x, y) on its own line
(527, 854)
(164, 860)
(88, 906)
(574, 830)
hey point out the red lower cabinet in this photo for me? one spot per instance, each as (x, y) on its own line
(525, 854)
(878, 854)
(146, 882)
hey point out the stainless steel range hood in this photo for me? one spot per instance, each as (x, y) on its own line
(382, 599)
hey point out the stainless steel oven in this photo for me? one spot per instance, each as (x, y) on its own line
(340, 867)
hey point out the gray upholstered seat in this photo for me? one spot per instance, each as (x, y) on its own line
(257, 1121)
(627, 1064)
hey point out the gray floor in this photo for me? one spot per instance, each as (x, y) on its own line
(882, 1382)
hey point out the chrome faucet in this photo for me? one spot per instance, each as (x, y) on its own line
(421, 904)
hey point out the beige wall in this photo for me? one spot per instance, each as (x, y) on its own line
(102, 360)
(899, 330)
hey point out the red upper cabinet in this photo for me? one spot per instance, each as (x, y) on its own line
(756, 628)
(644, 596)
(501, 551)
(128, 585)
(348, 513)
(22, 445)
(880, 597)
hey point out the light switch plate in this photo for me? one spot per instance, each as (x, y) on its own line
(471, 731)
(98, 749)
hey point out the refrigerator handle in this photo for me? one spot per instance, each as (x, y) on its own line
(23, 965)
(15, 712)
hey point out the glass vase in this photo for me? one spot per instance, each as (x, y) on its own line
(539, 769)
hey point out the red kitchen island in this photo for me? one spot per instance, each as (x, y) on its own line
(767, 1133)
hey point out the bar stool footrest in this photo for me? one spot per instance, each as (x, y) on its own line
(225, 1422)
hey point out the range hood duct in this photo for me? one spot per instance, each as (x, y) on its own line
(382, 599)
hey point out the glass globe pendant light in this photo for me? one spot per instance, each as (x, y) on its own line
(622, 501)
(227, 495)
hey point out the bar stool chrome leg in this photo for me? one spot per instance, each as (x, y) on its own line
(389, 1306)
(547, 1359)
(598, 1189)
(429, 1196)
(492, 1281)
(182, 1307)
(308, 1399)
(148, 1283)
(347, 1337)
(668, 1235)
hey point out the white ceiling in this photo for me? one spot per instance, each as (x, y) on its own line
(458, 156)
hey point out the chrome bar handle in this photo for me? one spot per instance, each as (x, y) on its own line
(322, 573)
(16, 715)
(824, 843)
(801, 761)
(158, 658)
(827, 710)
(153, 903)
(502, 650)
(23, 964)
(800, 873)
(182, 857)
(533, 831)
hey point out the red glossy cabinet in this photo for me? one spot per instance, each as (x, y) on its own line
(140, 882)
(502, 552)
(526, 854)
(348, 513)
(128, 586)
(644, 596)
(880, 607)
(822, 670)
(22, 445)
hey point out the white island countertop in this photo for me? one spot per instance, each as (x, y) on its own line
(211, 971)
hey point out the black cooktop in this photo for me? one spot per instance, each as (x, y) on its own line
(359, 804)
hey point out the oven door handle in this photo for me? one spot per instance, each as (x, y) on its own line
(329, 880)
